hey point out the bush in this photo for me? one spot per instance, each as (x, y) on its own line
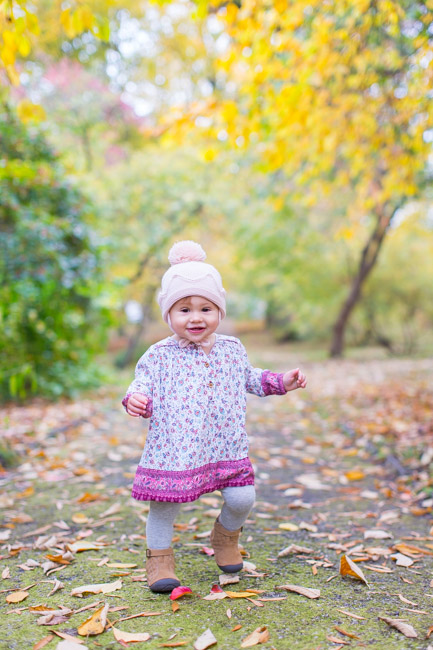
(50, 272)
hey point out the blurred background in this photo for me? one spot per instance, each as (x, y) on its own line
(291, 138)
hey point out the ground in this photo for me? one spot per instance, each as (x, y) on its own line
(344, 465)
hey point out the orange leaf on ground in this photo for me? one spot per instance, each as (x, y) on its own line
(17, 596)
(173, 644)
(95, 624)
(43, 642)
(304, 591)
(260, 635)
(401, 626)
(175, 606)
(344, 633)
(128, 637)
(349, 568)
(236, 628)
(335, 639)
(178, 592)
(359, 618)
(206, 640)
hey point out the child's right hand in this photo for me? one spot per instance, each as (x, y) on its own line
(136, 405)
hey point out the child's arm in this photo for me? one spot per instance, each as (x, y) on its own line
(264, 382)
(138, 398)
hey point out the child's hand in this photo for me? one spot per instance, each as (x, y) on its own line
(136, 405)
(294, 379)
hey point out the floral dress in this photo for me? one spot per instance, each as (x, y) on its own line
(197, 441)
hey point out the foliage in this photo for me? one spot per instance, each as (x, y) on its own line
(50, 321)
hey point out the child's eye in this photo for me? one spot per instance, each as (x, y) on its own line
(184, 309)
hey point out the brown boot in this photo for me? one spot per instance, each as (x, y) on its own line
(160, 570)
(225, 544)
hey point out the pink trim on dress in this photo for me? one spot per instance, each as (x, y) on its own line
(189, 485)
(272, 383)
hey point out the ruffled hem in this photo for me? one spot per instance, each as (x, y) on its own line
(189, 485)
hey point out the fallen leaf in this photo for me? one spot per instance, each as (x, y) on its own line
(79, 547)
(344, 633)
(43, 642)
(335, 639)
(70, 645)
(402, 560)
(97, 589)
(238, 594)
(375, 533)
(405, 600)
(57, 586)
(17, 596)
(303, 591)
(294, 548)
(228, 579)
(79, 518)
(120, 565)
(95, 624)
(6, 574)
(173, 644)
(354, 475)
(206, 640)
(180, 591)
(260, 635)
(130, 637)
(207, 551)
(229, 613)
(175, 606)
(349, 568)
(359, 618)
(401, 626)
(69, 637)
(288, 526)
(236, 628)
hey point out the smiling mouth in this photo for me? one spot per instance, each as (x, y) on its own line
(195, 329)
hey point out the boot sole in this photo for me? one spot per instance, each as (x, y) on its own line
(164, 585)
(231, 568)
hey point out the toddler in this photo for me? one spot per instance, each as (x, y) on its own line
(193, 387)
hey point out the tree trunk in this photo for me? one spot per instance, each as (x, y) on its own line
(368, 260)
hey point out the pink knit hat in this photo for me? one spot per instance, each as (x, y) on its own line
(189, 275)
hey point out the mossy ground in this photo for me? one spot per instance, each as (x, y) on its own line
(89, 469)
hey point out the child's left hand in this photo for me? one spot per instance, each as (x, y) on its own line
(293, 379)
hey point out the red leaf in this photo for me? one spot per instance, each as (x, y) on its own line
(178, 592)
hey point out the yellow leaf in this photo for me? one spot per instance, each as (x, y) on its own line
(238, 594)
(79, 518)
(354, 475)
(95, 624)
(349, 568)
(78, 547)
(17, 596)
(288, 526)
(29, 112)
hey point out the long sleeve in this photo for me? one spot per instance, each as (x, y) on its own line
(262, 382)
(143, 382)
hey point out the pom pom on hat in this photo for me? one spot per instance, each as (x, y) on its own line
(186, 251)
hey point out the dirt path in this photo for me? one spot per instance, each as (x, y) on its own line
(343, 468)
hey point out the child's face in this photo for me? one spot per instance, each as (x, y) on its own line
(194, 318)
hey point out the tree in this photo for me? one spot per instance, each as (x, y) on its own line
(334, 95)
(51, 318)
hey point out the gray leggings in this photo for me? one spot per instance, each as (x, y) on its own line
(238, 502)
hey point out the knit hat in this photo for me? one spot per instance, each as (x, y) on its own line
(189, 275)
